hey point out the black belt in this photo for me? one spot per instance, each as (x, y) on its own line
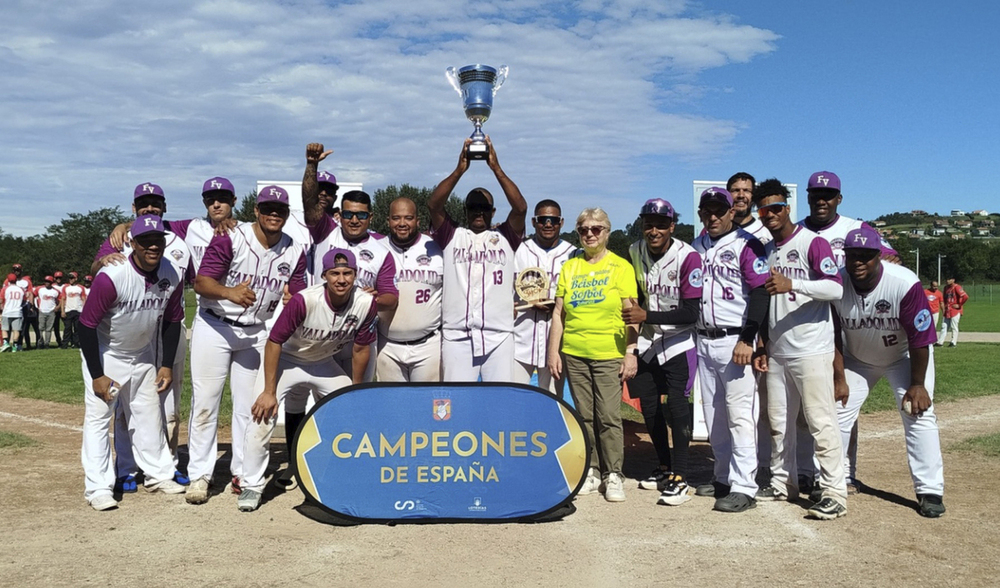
(212, 313)
(719, 333)
(415, 341)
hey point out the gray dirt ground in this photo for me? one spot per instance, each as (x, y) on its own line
(52, 538)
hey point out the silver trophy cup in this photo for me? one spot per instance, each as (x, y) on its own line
(477, 84)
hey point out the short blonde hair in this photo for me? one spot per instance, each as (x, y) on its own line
(596, 214)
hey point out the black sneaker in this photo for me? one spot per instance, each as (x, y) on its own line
(712, 489)
(806, 485)
(734, 502)
(827, 510)
(931, 505)
(675, 492)
(769, 492)
(656, 480)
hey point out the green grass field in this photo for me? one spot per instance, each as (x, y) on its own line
(986, 444)
(981, 316)
(10, 440)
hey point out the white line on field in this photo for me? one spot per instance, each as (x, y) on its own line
(40, 421)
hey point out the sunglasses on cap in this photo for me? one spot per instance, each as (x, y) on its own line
(547, 220)
(771, 208)
(273, 208)
(349, 214)
(595, 230)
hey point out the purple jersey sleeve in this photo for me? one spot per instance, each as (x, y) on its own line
(508, 233)
(821, 260)
(323, 228)
(915, 314)
(105, 249)
(297, 282)
(218, 258)
(443, 234)
(179, 228)
(753, 263)
(691, 276)
(366, 332)
(174, 312)
(291, 318)
(103, 295)
(385, 282)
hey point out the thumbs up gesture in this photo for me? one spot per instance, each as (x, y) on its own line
(632, 313)
(242, 294)
(777, 283)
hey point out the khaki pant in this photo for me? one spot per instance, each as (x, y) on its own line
(597, 393)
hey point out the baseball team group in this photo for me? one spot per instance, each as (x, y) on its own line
(786, 325)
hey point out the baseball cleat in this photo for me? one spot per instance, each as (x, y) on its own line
(235, 486)
(675, 493)
(656, 480)
(592, 484)
(103, 502)
(769, 492)
(4, 347)
(166, 487)
(827, 510)
(197, 492)
(126, 484)
(248, 501)
(614, 488)
(931, 505)
(734, 502)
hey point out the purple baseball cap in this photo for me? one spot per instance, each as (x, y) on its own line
(218, 183)
(864, 237)
(329, 259)
(272, 194)
(823, 180)
(716, 194)
(148, 189)
(657, 207)
(147, 223)
(325, 177)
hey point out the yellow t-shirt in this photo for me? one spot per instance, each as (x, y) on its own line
(592, 300)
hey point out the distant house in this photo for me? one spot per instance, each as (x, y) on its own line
(981, 233)
(957, 212)
(918, 212)
(979, 213)
(963, 224)
(942, 223)
(918, 232)
(958, 236)
(988, 224)
(935, 232)
(879, 223)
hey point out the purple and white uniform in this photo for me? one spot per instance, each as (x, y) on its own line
(878, 330)
(531, 327)
(227, 336)
(676, 276)
(478, 308)
(735, 263)
(126, 308)
(757, 229)
(836, 232)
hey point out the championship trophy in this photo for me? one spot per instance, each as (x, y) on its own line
(477, 84)
(532, 285)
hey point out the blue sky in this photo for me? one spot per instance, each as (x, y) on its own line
(607, 103)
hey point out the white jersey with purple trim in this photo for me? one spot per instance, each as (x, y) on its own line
(243, 258)
(478, 284)
(531, 327)
(420, 281)
(798, 324)
(176, 252)
(880, 326)
(677, 275)
(836, 232)
(734, 264)
(199, 234)
(757, 229)
(131, 323)
(370, 253)
(310, 330)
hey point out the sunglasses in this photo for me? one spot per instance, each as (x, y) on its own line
(771, 208)
(864, 255)
(268, 209)
(210, 200)
(145, 242)
(547, 220)
(350, 214)
(592, 230)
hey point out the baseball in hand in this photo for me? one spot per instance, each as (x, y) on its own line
(908, 407)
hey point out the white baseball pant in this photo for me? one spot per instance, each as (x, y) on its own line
(295, 383)
(523, 372)
(217, 349)
(398, 362)
(730, 402)
(459, 364)
(952, 324)
(923, 442)
(805, 382)
(136, 377)
(345, 357)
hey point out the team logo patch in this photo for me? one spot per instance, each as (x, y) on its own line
(423, 260)
(672, 275)
(284, 270)
(727, 257)
(923, 320)
(494, 239)
(883, 306)
(696, 278)
(366, 255)
(177, 254)
(837, 243)
(792, 256)
(163, 285)
(442, 409)
(828, 266)
(760, 266)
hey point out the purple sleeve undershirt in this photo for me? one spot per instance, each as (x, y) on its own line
(218, 258)
(322, 229)
(297, 282)
(508, 233)
(385, 282)
(366, 332)
(105, 249)
(103, 295)
(174, 312)
(909, 308)
(443, 234)
(752, 252)
(179, 228)
(819, 250)
(291, 318)
(691, 263)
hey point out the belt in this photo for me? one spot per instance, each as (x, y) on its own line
(214, 314)
(415, 341)
(719, 333)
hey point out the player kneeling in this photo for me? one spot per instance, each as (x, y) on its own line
(298, 358)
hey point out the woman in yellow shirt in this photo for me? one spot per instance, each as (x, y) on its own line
(587, 327)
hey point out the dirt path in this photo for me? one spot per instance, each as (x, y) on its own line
(53, 538)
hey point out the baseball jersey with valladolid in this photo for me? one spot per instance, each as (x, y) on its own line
(126, 305)
(735, 263)
(176, 251)
(880, 326)
(531, 327)
(478, 284)
(48, 299)
(836, 232)
(237, 257)
(804, 255)
(376, 267)
(419, 280)
(677, 275)
(197, 233)
(310, 330)
(13, 300)
(74, 294)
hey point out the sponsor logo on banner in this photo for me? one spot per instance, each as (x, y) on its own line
(442, 409)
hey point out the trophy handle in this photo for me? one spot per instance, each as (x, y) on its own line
(452, 74)
(501, 77)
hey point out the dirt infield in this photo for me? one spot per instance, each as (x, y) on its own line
(52, 538)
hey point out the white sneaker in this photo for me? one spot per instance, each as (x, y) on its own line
(614, 490)
(592, 484)
(166, 487)
(248, 501)
(4, 347)
(103, 502)
(197, 492)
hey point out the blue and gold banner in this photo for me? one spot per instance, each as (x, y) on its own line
(441, 452)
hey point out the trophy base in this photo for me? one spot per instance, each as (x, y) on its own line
(478, 151)
(532, 304)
